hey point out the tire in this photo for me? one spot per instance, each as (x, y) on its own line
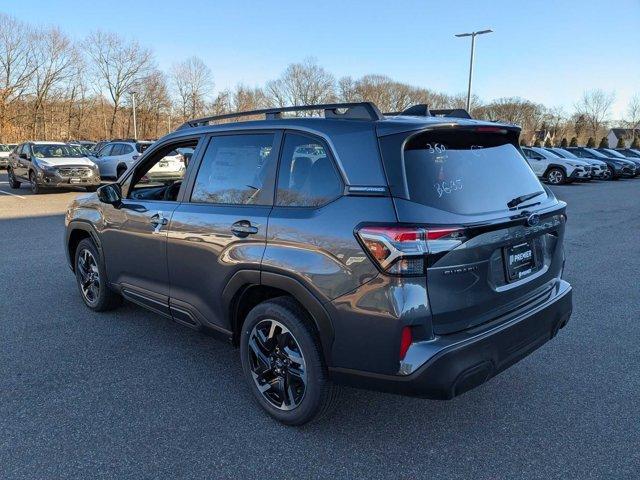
(279, 347)
(612, 175)
(120, 170)
(13, 181)
(608, 174)
(35, 187)
(556, 176)
(89, 267)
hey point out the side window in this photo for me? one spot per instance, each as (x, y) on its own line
(117, 149)
(237, 170)
(161, 175)
(106, 150)
(307, 175)
(126, 149)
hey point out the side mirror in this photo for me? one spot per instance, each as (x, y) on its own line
(110, 194)
(24, 156)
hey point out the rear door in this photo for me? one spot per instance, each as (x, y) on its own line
(489, 251)
(220, 228)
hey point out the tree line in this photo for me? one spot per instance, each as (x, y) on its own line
(55, 88)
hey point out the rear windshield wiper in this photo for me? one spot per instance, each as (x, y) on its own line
(523, 198)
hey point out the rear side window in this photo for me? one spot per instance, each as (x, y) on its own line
(126, 149)
(307, 175)
(459, 171)
(237, 170)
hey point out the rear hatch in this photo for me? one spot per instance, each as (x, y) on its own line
(498, 236)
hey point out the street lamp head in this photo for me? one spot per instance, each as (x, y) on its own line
(473, 34)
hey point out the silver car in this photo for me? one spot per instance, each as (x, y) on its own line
(116, 157)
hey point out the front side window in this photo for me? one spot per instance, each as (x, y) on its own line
(106, 150)
(159, 177)
(236, 170)
(307, 175)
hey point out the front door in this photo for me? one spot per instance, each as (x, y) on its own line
(135, 234)
(220, 227)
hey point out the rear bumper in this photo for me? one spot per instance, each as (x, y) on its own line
(454, 364)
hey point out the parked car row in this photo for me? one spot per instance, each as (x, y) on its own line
(565, 165)
(45, 164)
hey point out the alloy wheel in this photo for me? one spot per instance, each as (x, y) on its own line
(277, 364)
(554, 177)
(89, 276)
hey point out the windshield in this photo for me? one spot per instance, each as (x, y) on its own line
(4, 148)
(613, 153)
(595, 153)
(56, 151)
(553, 154)
(463, 171)
(565, 153)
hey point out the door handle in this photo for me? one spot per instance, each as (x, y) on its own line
(158, 220)
(243, 228)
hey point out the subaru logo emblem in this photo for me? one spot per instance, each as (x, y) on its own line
(533, 220)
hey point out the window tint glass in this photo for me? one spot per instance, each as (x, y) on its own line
(117, 149)
(235, 170)
(106, 150)
(126, 149)
(307, 176)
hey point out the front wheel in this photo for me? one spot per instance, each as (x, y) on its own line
(283, 364)
(92, 279)
(35, 187)
(556, 176)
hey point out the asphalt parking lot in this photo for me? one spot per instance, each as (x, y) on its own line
(127, 394)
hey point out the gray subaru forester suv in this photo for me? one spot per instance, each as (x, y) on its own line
(414, 252)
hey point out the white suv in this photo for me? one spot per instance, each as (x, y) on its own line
(116, 157)
(555, 169)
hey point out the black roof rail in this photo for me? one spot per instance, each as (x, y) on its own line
(423, 110)
(353, 111)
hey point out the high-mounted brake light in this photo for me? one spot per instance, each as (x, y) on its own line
(491, 130)
(402, 250)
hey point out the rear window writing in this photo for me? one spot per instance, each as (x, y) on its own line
(465, 172)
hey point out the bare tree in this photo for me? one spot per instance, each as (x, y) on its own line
(303, 83)
(118, 64)
(193, 81)
(633, 115)
(595, 106)
(55, 59)
(153, 104)
(17, 64)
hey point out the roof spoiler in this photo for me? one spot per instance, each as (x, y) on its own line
(422, 110)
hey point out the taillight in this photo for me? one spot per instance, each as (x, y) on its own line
(402, 250)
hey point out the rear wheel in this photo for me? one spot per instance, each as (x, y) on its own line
(556, 176)
(283, 365)
(13, 181)
(91, 278)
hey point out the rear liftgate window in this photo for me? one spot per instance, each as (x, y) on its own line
(469, 171)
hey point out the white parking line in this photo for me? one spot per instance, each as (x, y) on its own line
(13, 194)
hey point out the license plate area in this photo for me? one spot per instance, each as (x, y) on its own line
(520, 261)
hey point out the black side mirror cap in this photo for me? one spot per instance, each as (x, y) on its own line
(110, 194)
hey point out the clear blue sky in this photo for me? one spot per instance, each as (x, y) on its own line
(547, 51)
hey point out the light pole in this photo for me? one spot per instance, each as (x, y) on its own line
(135, 123)
(473, 48)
